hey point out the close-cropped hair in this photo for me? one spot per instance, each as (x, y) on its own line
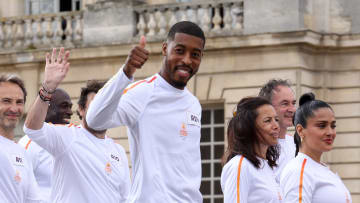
(15, 80)
(307, 106)
(91, 86)
(267, 90)
(186, 27)
(242, 133)
(52, 104)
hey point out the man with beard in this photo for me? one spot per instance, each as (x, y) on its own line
(17, 183)
(163, 118)
(282, 97)
(43, 163)
(89, 166)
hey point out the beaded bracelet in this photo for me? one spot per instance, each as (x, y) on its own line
(43, 96)
(49, 91)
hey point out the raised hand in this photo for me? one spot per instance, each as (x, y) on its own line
(136, 58)
(56, 68)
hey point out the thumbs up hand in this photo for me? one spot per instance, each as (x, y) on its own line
(136, 58)
(142, 42)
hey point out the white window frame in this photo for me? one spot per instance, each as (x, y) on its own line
(212, 160)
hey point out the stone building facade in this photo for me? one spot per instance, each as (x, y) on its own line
(313, 43)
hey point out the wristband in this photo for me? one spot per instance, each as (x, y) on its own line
(49, 91)
(44, 97)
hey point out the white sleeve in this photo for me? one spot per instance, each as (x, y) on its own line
(54, 139)
(103, 112)
(290, 185)
(229, 184)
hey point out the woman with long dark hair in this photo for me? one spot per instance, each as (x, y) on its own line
(248, 175)
(306, 179)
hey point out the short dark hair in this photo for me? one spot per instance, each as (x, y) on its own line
(186, 27)
(54, 114)
(15, 80)
(91, 86)
(267, 90)
(242, 133)
(307, 105)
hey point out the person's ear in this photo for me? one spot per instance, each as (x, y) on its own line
(81, 112)
(164, 48)
(300, 130)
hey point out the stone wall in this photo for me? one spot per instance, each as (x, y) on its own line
(15, 8)
(325, 16)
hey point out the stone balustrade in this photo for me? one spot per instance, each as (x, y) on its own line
(41, 31)
(93, 26)
(216, 18)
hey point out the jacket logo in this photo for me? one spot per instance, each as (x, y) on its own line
(108, 169)
(17, 177)
(183, 131)
(193, 119)
(18, 160)
(115, 157)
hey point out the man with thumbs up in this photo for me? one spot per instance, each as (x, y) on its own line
(162, 116)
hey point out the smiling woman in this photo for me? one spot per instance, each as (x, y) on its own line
(252, 152)
(306, 179)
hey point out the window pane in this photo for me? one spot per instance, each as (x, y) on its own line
(219, 133)
(205, 117)
(205, 187)
(205, 152)
(218, 169)
(34, 7)
(77, 6)
(217, 187)
(207, 201)
(219, 151)
(219, 200)
(219, 116)
(205, 135)
(206, 172)
(47, 6)
(65, 5)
